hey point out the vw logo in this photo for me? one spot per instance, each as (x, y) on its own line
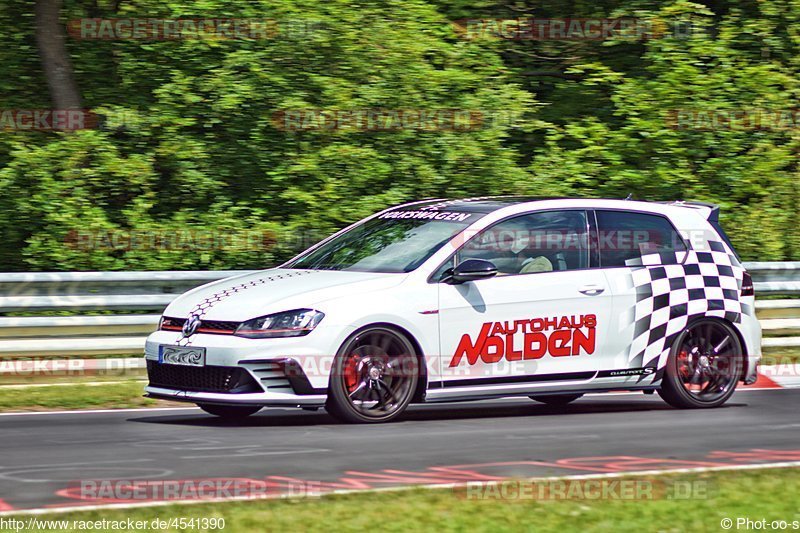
(190, 326)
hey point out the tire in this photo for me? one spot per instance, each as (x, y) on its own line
(704, 366)
(374, 376)
(229, 412)
(556, 399)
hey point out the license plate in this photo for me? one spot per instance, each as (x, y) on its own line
(182, 355)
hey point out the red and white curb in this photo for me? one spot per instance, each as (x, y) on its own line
(463, 482)
(782, 376)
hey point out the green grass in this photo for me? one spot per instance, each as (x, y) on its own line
(770, 494)
(789, 355)
(137, 355)
(75, 378)
(76, 396)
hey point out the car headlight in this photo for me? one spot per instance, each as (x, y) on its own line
(287, 324)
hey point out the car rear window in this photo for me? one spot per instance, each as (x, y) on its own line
(624, 236)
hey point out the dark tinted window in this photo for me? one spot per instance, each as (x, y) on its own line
(625, 236)
(544, 241)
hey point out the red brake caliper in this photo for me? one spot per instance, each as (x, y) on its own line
(351, 373)
(683, 364)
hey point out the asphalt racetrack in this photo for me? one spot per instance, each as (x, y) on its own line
(47, 459)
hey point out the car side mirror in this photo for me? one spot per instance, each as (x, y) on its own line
(472, 270)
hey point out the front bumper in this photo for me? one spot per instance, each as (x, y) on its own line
(239, 371)
(265, 383)
(263, 399)
(750, 330)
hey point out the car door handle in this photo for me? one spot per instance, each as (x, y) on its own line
(591, 290)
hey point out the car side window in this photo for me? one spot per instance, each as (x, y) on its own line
(625, 236)
(544, 241)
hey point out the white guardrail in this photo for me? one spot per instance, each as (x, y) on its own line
(118, 294)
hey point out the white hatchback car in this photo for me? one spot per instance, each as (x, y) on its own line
(445, 300)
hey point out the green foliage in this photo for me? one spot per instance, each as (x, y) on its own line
(189, 140)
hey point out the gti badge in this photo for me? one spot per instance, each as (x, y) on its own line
(190, 326)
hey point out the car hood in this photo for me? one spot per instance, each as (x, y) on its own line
(269, 291)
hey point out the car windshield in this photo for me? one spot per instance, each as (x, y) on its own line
(396, 241)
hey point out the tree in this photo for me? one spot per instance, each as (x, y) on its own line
(190, 139)
(56, 62)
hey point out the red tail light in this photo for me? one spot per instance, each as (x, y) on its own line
(747, 285)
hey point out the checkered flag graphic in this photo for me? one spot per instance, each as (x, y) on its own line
(203, 307)
(669, 293)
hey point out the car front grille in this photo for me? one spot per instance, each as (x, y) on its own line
(212, 327)
(221, 379)
(217, 327)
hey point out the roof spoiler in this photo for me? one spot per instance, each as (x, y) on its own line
(710, 211)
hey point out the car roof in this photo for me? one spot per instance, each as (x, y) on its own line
(489, 204)
(483, 204)
(509, 205)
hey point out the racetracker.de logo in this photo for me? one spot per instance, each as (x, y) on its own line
(382, 119)
(587, 489)
(169, 239)
(734, 119)
(123, 491)
(47, 119)
(153, 29)
(570, 29)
